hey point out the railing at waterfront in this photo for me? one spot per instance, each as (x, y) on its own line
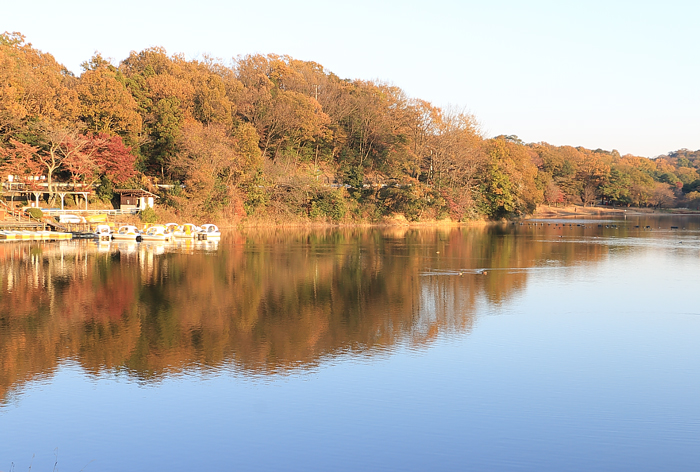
(58, 212)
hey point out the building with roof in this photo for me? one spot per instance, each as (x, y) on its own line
(135, 199)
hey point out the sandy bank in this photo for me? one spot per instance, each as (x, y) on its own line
(575, 211)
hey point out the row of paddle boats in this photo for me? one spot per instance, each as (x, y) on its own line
(168, 232)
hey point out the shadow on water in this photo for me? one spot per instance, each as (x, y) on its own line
(262, 302)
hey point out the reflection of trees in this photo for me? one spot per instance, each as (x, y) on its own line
(267, 302)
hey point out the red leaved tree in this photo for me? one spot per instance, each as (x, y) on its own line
(98, 155)
(19, 160)
(114, 158)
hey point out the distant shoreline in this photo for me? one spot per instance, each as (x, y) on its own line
(399, 221)
(573, 211)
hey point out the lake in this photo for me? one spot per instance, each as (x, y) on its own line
(567, 345)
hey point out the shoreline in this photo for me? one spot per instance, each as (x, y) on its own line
(542, 212)
(575, 211)
(399, 221)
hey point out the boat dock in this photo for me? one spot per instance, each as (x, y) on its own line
(41, 235)
(17, 226)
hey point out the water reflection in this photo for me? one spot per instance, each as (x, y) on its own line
(264, 301)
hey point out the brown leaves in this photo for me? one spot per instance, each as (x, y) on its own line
(106, 106)
(32, 86)
(211, 161)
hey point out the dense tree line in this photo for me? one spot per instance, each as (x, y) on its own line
(284, 139)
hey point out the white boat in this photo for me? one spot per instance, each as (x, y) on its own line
(156, 233)
(127, 233)
(186, 231)
(209, 231)
(103, 232)
(70, 219)
(171, 227)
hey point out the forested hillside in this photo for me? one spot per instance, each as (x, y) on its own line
(287, 140)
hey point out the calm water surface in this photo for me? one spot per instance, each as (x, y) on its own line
(577, 350)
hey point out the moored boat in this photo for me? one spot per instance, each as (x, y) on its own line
(186, 231)
(209, 231)
(127, 233)
(156, 233)
(171, 227)
(103, 232)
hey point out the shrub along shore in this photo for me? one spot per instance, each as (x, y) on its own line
(398, 220)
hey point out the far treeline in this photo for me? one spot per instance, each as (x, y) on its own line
(273, 138)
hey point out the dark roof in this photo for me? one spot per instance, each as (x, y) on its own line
(135, 192)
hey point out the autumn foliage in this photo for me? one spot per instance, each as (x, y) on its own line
(275, 138)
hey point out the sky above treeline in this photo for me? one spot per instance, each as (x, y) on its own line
(600, 74)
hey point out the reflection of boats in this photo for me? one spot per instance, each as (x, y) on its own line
(209, 231)
(191, 246)
(184, 243)
(156, 233)
(154, 247)
(103, 232)
(187, 246)
(186, 231)
(126, 247)
(208, 245)
(127, 233)
(103, 245)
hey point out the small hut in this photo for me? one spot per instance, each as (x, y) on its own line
(135, 199)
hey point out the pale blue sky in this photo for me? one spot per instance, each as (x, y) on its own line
(611, 74)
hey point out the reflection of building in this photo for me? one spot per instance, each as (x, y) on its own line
(139, 199)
